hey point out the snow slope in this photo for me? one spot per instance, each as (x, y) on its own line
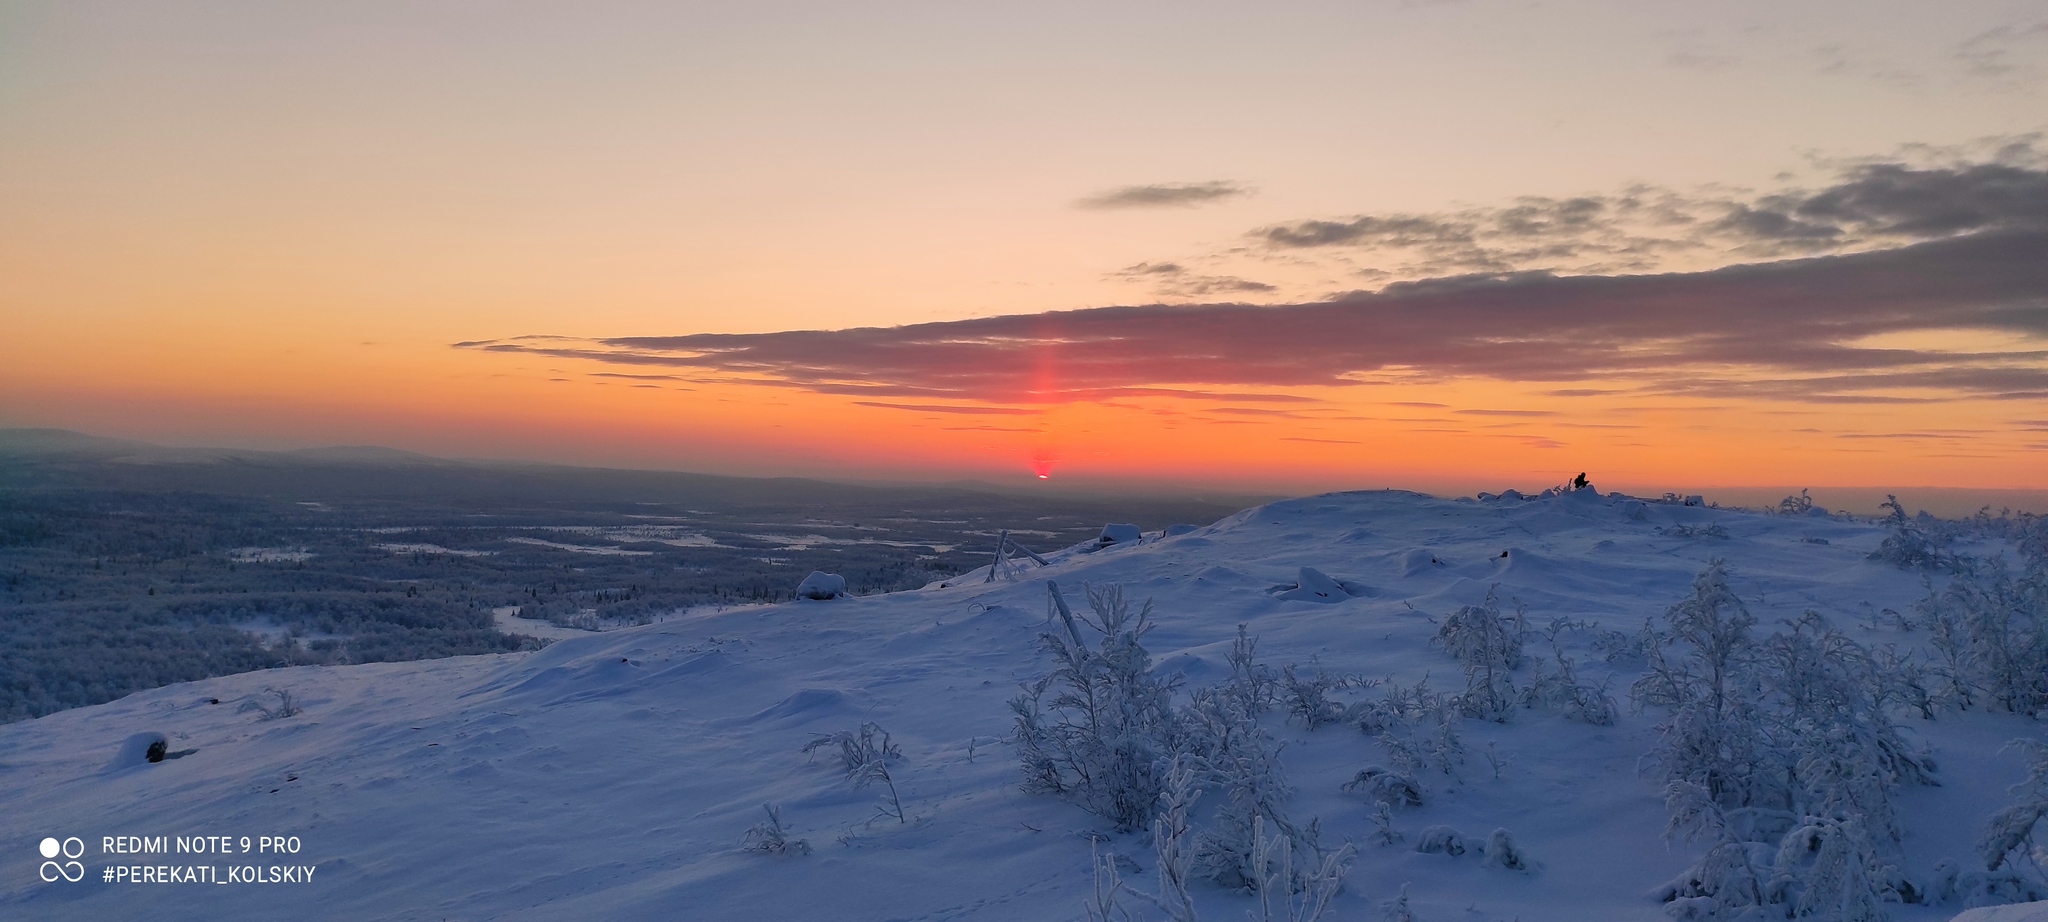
(612, 776)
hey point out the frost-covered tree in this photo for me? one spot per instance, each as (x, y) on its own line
(1991, 629)
(1783, 741)
(1714, 734)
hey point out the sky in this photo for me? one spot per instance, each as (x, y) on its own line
(1438, 245)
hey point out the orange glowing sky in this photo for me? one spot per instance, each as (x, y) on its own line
(1363, 244)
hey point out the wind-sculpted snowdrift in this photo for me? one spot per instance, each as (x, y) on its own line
(1501, 716)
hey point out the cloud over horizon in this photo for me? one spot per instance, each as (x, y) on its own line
(1642, 228)
(1791, 330)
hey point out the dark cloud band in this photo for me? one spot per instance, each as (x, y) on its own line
(1787, 330)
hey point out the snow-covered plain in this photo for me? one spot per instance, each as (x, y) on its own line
(613, 775)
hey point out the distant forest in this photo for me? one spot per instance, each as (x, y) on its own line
(126, 566)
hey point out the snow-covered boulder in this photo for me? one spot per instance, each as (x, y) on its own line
(1313, 585)
(1175, 531)
(821, 585)
(2019, 912)
(1117, 533)
(136, 751)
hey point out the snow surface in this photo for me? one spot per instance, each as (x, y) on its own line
(613, 775)
(2024, 912)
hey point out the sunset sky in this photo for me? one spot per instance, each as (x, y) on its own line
(1422, 243)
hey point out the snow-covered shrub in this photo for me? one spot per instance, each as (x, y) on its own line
(1503, 852)
(1797, 505)
(858, 748)
(1308, 697)
(1732, 873)
(1693, 908)
(1172, 846)
(1301, 892)
(1714, 736)
(1440, 840)
(1784, 740)
(2009, 838)
(1955, 886)
(1251, 684)
(1913, 544)
(1834, 870)
(1622, 646)
(1255, 790)
(1370, 717)
(1903, 682)
(1230, 754)
(1445, 747)
(1396, 909)
(1991, 629)
(1388, 789)
(1383, 829)
(1105, 903)
(865, 754)
(1489, 647)
(1104, 736)
(1689, 531)
(1562, 691)
(1416, 727)
(771, 838)
(286, 705)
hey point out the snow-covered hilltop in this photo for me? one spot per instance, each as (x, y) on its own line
(616, 776)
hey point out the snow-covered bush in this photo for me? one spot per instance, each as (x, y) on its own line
(2009, 838)
(865, 754)
(1954, 885)
(1103, 737)
(286, 705)
(1503, 852)
(858, 748)
(1732, 873)
(1396, 909)
(1714, 735)
(1715, 532)
(1416, 727)
(1388, 789)
(1561, 690)
(1440, 840)
(1383, 829)
(1833, 869)
(1102, 731)
(1797, 505)
(1252, 684)
(1301, 892)
(1784, 741)
(1913, 544)
(1308, 696)
(1489, 647)
(771, 838)
(1173, 850)
(1991, 630)
(1254, 790)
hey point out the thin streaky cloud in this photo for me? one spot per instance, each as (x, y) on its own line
(1166, 195)
(942, 408)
